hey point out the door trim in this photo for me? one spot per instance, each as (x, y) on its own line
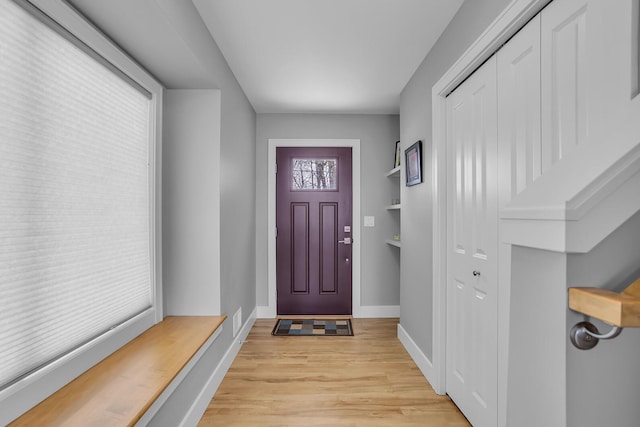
(270, 311)
(512, 18)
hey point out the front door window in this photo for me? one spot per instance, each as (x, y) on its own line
(314, 174)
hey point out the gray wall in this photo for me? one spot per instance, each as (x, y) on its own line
(237, 203)
(415, 124)
(236, 159)
(236, 195)
(191, 213)
(377, 134)
(536, 382)
(608, 376)
(170, 40)
(192, 193)
(551, 382)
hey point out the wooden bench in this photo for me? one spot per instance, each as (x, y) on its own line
(121, 388)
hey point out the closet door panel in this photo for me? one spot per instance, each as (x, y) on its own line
(472, 246)
(519, 111)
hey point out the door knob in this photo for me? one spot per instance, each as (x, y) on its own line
(346, 241)
(476, 273)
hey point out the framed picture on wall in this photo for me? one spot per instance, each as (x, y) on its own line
(413, 162)
(396, 160)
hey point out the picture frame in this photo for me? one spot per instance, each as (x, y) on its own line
(398, 155)
(413, 162)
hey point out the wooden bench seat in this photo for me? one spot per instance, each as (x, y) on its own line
(121, 388)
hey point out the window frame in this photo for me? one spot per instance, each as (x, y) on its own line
(26, 393)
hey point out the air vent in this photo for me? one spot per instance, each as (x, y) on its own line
(237, 321)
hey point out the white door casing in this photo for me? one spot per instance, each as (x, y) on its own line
(270, 310)
(472, 235)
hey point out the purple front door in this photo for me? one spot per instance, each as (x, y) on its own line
(313, 220)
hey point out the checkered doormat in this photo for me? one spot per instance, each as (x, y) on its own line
(319, 327)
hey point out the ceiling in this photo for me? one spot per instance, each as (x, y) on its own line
(302, 56)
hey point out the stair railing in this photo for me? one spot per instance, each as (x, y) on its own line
(621, 310)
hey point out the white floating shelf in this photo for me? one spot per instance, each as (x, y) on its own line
(394, 173)
(391, 242)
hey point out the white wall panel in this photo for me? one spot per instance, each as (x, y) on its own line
(564, 79)
(586, 72)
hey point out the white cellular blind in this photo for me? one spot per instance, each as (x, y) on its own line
(75, 242)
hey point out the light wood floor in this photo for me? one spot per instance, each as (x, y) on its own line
(365, 380)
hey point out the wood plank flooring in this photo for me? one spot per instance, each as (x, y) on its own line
(364, 380)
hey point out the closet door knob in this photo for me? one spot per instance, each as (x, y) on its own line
(476, 273)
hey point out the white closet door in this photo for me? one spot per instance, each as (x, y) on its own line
(472, 209)
(519, 111)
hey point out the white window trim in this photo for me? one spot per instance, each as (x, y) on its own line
(26, 393)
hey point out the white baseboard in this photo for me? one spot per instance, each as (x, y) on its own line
(265, 312)
(198, 407)
(424, 364)
(377, 311)
(365, 311)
